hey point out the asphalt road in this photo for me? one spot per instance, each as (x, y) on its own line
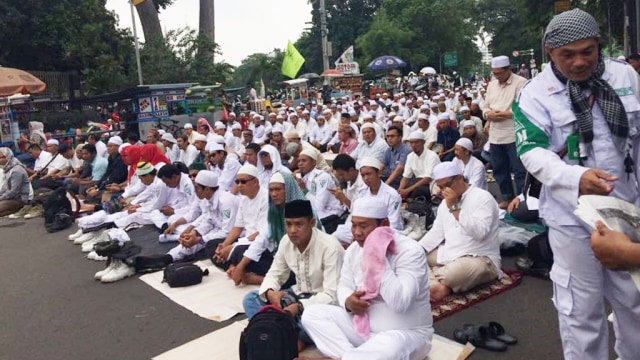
(51, 308)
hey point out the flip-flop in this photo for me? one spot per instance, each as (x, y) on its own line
(478, 336)
(496, 330)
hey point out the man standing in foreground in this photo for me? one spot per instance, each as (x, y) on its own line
(497, 111)
(576, 132)
(398, 316)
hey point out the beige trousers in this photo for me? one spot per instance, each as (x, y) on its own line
(463, 273)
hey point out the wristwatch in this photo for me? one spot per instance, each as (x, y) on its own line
(454, 207)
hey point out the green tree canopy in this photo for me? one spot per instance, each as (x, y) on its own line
(260, 66)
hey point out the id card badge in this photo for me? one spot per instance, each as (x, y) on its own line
(573, 148)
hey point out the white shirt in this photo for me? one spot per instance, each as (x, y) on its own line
(352, 192)
(188, 155)
(375, 150)
(317, 268)
(321, 134)
(217, 216)
(101, 149)
(42, 161)
(420, 166)
(173, 153)
(318, 183)
(404, 299)
(59, 163)
(390, 197)
(227, 175)
(180, 197)
(473, 171)
(252, 212)
(475, 233)
(430, 135)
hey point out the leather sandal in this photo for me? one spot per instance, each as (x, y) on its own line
(497, 332)
(478, 336)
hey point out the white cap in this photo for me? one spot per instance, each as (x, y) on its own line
(207, 178)
(443, 116)
(293, 134)
(392, 114)
(115, 140)
(219, 125)
(366, 116)
(423, 117)
(500, 62)
(446, 169)
(276, 178)
(370, 162)
(199, 137)
(398, 118)
(236, 126)
(305, 112)
(56, 142)
(367, 126)
(464, 108)
(465, 143)
(424, 107)
(161, 132)
(277, 128)
(231, 113)
(369, 207)
(188, 126)
(466, 123)
(248, 169)
(219, 139)
(168, 137)
(433, 104)
(416, 135)
(310, 153)
(213, 146)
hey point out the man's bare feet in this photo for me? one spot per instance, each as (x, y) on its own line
(252, 279)
(230, 270)
(438, 292)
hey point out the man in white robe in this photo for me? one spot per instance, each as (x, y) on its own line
(399, 315)
(472, 168)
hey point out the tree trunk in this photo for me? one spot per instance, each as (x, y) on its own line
(207, 22)
(150, 21)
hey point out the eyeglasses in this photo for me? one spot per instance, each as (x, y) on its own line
(242, 181)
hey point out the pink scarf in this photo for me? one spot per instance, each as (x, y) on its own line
(375, 249)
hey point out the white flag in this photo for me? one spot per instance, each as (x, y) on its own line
(346, 57)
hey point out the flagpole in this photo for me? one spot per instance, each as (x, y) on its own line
(136, 43)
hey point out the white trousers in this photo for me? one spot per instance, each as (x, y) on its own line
(580, 286)
(99, 218)
(180, 252)
(331, 329)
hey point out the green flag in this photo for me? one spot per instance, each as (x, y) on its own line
(292, 61)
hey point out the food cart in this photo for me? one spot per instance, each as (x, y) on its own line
(297, 91)
(15, 114)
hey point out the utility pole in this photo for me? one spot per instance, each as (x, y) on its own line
(324, 32)
(637, 49)
(136, 43)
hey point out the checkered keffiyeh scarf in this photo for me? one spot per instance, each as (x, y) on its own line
(607, 99)
(571, 26)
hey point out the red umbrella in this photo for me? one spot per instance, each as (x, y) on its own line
(14, 81)
(332, 73)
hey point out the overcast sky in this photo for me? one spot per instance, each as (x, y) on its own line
(243, 27)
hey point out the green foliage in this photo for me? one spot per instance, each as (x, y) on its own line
(420, 32)
(182, 57)
(261, 66)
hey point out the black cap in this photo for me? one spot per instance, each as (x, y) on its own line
(298, 209)
(345, 115)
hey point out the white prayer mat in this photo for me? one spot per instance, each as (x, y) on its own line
(222, 344)
(215, 298)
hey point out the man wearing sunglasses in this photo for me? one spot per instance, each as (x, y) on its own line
(462, 246)
(252, 216)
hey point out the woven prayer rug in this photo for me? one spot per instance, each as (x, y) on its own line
(457, 302)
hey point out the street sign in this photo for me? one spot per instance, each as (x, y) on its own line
(450, 59)
(350, 68)
(515, 53)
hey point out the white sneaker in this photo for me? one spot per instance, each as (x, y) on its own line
(168, 238)
(101, 273)
(76, 235)
(118, 272)
(85, 237)
(95, 257)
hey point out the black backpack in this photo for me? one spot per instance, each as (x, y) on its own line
(54, 206)
(272, 334)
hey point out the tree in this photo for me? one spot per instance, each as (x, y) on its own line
(420, 32)
(148, 14)
(259, 66)
(207, 23)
